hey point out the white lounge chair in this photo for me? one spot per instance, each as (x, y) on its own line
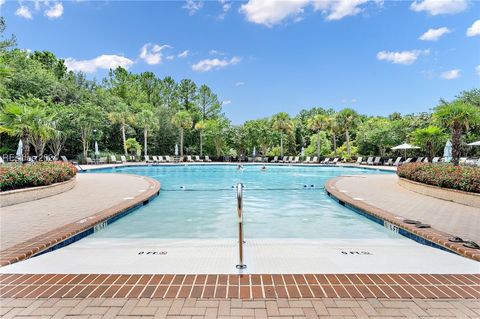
(274, 160)
(207, 159)
(435, 160)
(408, 160)
(462, 160)
(155, 159)
(123, 158)
(389, 162)
(160, 159)
(89, 161)
(189, 158)
(377, 160)
(198, 159)
(314, 160)
(2, 161)
(307, 160)
(359, 160)
(397, 161)
(419, 160)
(425, 160)
(326, 161)
(370, 160)
(296, 160)
(147, 159)
(113, 160)
(335, 160)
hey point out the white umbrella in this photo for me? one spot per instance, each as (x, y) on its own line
(254, 151)
(477, 143)
(96, 149)
(20, 150)
(447, 151)
(176, 149)
(405, 147)
(303, 151)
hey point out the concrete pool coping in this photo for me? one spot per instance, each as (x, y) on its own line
(66, 234)
(429, 236)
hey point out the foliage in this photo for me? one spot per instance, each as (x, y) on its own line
(133, 146)
(432, 138)
(312, 148)
(448, 176)
(15, 176)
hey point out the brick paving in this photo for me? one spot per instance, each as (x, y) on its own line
(31, 227)
(382, 197)
(90, 308)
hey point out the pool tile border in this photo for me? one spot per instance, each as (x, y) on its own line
(427, 236)
(261, 286)
(72, 232)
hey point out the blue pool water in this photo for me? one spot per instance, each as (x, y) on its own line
(198, 201)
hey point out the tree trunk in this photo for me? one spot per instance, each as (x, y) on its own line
(281, 144)
(145, 136)
(456, 140)
(125, 151)
(430, 149)
(181, 142)
(201, 144)
(26, 147)
(334, 144)
(318, 144)
(347, 136)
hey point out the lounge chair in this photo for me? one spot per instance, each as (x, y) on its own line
(274, 160)
(113, 160)
(155, 159)
(147, 159)
(397, 161)
(64, 158)
(389, 162)
(89, 161)
(296, 160)
(160, 159)
(207, 159)
(419, 160)
(189, 158)
(462, 160)
(435, 160)
(291, 159)
(370, 160)
(326, 161)
(307, 160)
(359, 160)
(284, 159)
(377, 161)
(314, 160)
(198, 159)
(425, 160)
(335, 161)
(408, 160)
(2, 161)
(123, 158)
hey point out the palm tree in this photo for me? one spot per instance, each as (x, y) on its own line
(200, 126)
(282, 123)
(146, 121)
(182, 120)
(123, 116)
(459, 117)
(318, 123)
(347, 119)
(334, 129)
(430, 137)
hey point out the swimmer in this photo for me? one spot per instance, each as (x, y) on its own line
(264, 168)
(239, 167)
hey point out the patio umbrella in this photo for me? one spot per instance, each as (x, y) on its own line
(254, 151)
(477, 143)
(303, 151)
(176, 149)
(96, 149)
(447, 151)
(20, 150)
(405, 147)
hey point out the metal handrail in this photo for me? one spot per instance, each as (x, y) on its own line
(241, 264)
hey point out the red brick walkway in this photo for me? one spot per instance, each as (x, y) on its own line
(240, 286)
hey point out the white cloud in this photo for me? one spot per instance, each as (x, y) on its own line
(239, 83)
(339, 9)
(152, 53)
(192, 6)
(24, 12)
(434, 34)
(215, 52)
(2, 2)
(436, 7)
(226, 102)
(54, 11)
(170, 57)
(403, 57)
(450, 74)
(474, 29)
(104, 61)
(184, 54)
(226, 6)
(477, 69)
(214, 64)
(271, 12)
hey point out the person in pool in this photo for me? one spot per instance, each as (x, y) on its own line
(264, 168)
(239, 167)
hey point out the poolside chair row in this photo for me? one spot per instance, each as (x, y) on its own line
(308, 160)
(171, 159)
(398, 161)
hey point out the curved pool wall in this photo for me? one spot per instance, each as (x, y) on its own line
(198, 201)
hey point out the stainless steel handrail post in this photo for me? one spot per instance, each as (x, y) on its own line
(241, 264)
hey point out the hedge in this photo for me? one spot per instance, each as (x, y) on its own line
(16, 176)
(462, 178)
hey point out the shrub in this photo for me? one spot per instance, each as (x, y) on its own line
(443, 175)
(15, 176)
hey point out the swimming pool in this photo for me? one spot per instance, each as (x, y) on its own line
(279, 202)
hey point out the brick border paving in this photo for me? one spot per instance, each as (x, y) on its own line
(391, 286)
(42, 242)
(433, 235)
(234, 308)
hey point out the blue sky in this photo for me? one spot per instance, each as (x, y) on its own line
(264, 56)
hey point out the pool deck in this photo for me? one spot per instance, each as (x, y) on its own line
(30, 227)
(383, 197)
